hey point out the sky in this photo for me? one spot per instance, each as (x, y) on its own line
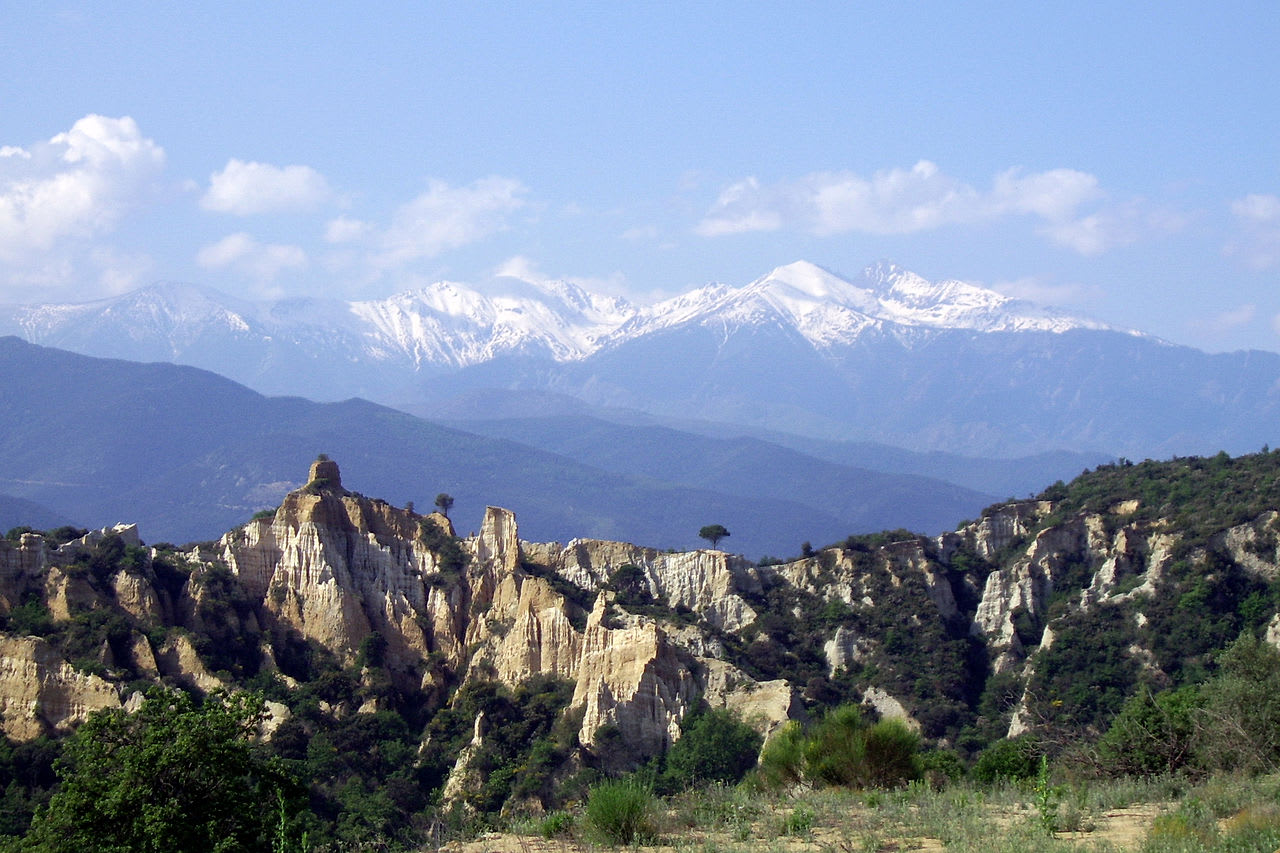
(1118, 159)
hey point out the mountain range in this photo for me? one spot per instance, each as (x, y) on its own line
(186, 453)
(885, 357)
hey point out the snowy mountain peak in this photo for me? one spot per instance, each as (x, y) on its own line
(449, 325)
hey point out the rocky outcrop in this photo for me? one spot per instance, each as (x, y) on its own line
(40, 693)
(634, 679)
(709, 583)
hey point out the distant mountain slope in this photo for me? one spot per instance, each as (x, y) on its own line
(560, 428)
(886, 357)
(186, 454)
(18, 512)
(748, 466)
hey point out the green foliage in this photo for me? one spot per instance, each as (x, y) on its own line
(715, 747)
(30, 617)
(173, 776)
(1047, 798)
(799, 821)
(556, 824)
(1240, 721)
(631, 585)
(450, 558)
(526, 738)
(225, 642)
(1007, 760)
(1199, 495)
(620, 812)
(843, 750)
(713, 533)
(1154, 733)
(1083, 679)
(27, 780)
(782, 759)
(891, 754)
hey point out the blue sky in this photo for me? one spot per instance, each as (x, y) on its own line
(1119, 159)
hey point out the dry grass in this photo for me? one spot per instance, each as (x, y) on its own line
(1227, 815)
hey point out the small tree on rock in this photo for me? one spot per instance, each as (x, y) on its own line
(445, 503)
(713, 533)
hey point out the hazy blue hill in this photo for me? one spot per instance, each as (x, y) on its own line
(868, 499)
(982, 394)
(578, 430)
(16, 512)
(188, 454)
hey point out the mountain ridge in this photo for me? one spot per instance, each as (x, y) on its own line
(890, 358)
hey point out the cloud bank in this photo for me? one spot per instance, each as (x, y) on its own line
(76, 186)
(923, 198)
(246, 189)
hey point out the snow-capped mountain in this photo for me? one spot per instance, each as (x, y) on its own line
(450, 325)
(887, 357)
(831, 311)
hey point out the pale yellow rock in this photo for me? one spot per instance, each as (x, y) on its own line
(40, 692)
(632, 679)
(177, 659)
(765, 706)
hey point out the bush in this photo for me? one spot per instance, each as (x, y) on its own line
(555, 824)
(782, 759)
(619, 811)
(835, 754)
(843, 750)
(716, 747)
(1006, 760)
(1153, 734)
(891, 753)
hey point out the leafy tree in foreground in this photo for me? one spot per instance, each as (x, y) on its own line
(173, 776)
(713, 533)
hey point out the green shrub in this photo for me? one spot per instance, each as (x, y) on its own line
(1153, 734)
(555, 824)
(835, 753)
(619, 811)
(782, 759)
(891, 753)
(799, 822)
(1006, 760)
(715, 747)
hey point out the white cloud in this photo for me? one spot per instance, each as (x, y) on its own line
(519, 267)
(641, 234)
(119, 272)
(249, 188)
(75, 186)
(1041, 292)
(345, 230)
(262, 261)
(522, 268)
(1228, 321)
(1257, 208)
(446, 217)
(924, 198)
(1257, 241)
(1054, 195)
